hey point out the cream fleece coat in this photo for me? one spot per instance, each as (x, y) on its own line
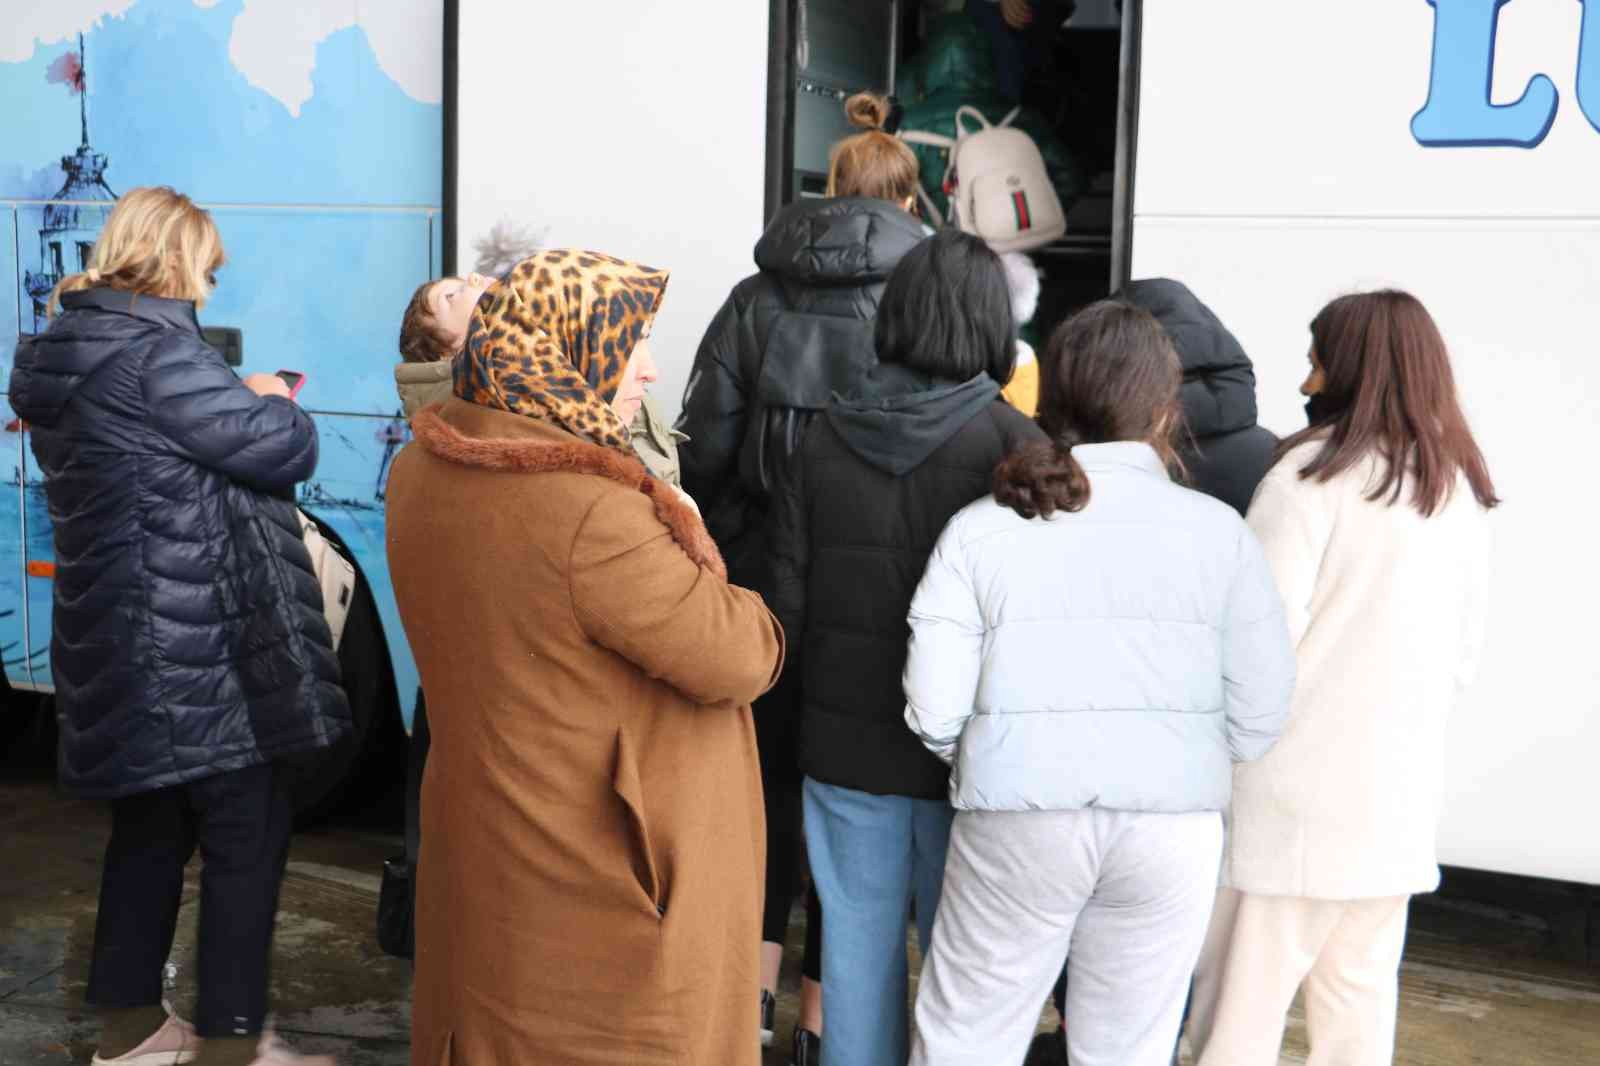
(1386, 609)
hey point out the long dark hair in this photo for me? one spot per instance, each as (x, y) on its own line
(1388, 389)
(1108, 373)
(946, 311)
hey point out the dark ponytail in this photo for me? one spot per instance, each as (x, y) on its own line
(1041, 479)
(1109, 373)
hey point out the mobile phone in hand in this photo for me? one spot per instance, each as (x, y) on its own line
(294, 379)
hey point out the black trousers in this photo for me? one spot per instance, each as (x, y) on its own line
(416, 762)
(777, 716)
(241, 821)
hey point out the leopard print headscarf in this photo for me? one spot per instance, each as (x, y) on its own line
(551, 340)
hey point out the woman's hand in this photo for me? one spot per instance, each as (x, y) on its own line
(267, 385)
(1017, 13)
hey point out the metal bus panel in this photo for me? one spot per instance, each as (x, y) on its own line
(661, 161)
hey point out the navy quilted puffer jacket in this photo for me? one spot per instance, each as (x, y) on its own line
(188, 630)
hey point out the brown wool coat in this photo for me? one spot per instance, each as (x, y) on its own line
(590, 881)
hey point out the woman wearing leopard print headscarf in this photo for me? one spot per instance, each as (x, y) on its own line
(589, 890)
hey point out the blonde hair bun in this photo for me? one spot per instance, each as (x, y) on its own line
(867, 110)
(873, 163)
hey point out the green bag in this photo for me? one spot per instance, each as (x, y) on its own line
(954, 69)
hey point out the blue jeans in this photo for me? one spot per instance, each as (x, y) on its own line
(875, 860)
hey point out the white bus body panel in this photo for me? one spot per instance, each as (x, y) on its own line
(627, 127)
(1276, 169)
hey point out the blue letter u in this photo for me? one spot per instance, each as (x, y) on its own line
(1589, 63)
(1458, 112)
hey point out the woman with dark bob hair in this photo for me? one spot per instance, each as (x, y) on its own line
(1376, 522)
(871, 487)
(787, 338)
(1092, 649)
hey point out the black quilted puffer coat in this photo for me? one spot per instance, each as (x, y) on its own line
(1227, 454)
(188, 630)
(876, 482)
(786, 340)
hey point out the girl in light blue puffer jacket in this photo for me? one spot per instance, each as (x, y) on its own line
(1092, 650)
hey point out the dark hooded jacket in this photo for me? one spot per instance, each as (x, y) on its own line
(1230, 454)
(874, 484)
(188, 634)
(785, 341)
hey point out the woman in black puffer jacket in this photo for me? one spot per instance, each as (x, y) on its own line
(787, 339)
(872, 488)
(190, 650)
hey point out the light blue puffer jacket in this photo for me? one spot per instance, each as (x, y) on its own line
(1122, 657)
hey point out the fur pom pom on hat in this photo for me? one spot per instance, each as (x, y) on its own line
(1022, 278)
(507, 244)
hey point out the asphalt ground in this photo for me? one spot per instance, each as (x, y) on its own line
(1482, 983)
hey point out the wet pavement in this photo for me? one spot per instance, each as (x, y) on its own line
(333, 990)
(1479, 987)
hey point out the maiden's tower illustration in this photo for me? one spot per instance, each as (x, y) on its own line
(74, 216)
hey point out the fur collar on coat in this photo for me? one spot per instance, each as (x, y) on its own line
(552, 450)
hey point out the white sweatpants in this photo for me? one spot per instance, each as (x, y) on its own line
(1123, 897)
(1258, 952)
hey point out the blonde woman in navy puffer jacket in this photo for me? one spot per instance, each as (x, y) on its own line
(1092, 649)
(190, 652)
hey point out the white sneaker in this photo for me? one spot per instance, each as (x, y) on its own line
(174, 1044)
(274, 1052)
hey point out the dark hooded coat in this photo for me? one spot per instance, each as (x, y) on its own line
(786, 340)
(874, 484)
(1229, 453)
(188, 634)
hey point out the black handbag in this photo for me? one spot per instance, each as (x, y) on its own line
(397, 905)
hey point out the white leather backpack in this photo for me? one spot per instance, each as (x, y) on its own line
(997, 184)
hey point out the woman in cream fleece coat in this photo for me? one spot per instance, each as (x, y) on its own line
(1377, 534)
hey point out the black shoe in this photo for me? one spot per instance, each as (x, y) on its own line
(807, 1048)
(769, 1016)
(1047, 1049)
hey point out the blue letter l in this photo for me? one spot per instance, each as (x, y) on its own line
(1458, 112)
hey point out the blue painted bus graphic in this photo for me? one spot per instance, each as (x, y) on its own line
(315, 285)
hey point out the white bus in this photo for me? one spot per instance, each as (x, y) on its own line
(1288, 152)
(1269, 154)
